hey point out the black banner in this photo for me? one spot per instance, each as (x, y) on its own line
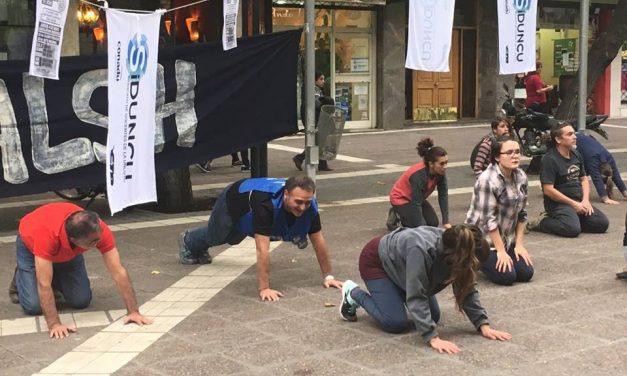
(210, 103)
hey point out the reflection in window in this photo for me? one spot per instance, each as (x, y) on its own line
(295, 17)
(17, 18)
(354, 99)
(353, 18)
(351, 55)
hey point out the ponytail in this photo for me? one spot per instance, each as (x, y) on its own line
(428, 151)
(469, 250)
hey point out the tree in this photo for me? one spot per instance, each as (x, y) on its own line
(601, 54)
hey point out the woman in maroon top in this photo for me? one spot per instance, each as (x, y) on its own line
(536, 91)
(410, 192)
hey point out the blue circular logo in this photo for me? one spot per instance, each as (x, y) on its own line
(522, 5)
(137, 56)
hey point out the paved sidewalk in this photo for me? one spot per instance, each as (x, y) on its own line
(570, 319)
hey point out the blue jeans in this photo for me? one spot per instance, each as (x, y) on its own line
(68, 277)
(521, 272)
(385, 303)
(220, 229)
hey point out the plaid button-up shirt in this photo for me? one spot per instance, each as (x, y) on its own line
(498, 203)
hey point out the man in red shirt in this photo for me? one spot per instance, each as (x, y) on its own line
(49, 248)
(536, 91)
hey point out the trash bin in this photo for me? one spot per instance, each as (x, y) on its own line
(330, 128)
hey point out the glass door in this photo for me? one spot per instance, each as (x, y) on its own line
(353, 78)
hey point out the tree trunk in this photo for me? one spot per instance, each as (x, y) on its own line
(600, 56)
(174, 190)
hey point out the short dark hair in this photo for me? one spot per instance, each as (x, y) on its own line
(82, 223)
(498, 120)
(497, 144)
(302, 182)
(318, 74)
(557, 130)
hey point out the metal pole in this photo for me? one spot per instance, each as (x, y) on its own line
(583, 65)
(311, 150)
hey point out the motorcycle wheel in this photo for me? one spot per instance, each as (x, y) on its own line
(73, 194)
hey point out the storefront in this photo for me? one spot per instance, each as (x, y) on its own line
(345, 50)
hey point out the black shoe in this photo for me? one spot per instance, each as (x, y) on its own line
(245, 168)
(392, 221)
(13, 290)
(298, 163)
(204, 167)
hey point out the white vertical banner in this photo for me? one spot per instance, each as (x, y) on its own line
(229, 28)
(47, 38)
(132, 79)
(517, 35)
(430, 34)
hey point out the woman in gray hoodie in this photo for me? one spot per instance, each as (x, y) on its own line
(407, 267)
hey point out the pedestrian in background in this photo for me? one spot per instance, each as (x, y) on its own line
(536, 91)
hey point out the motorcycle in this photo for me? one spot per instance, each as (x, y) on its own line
(532, 128)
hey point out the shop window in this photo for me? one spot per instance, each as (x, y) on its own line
(295, 17)
(353, 18)
(354, 99)
(17, 18)
(352, 54)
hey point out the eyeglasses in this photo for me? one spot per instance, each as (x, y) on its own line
(511, 153)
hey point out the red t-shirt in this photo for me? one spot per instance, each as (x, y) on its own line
(532, 85)
(43, 233)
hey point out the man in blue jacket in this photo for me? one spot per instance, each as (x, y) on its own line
(265, 209)
(601, 166)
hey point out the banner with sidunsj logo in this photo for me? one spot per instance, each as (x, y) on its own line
(132, 51)
(429, 36)
(517, 35)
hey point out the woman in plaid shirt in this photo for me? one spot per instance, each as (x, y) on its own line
(498, 208)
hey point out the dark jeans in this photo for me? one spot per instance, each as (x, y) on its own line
(521, 272)
(220, 229)
(616, 178)
(321, 163)
(411, 218)
(385, 303)
(68, 277)
(564, 221)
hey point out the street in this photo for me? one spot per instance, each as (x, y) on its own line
(570, 319)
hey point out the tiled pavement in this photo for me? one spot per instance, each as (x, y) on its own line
(569, 320)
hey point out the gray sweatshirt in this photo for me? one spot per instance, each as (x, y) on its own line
(413, 258)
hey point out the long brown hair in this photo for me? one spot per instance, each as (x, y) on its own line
(468, 249)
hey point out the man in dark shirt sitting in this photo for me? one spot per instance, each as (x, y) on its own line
(566, 189)
(265, 209)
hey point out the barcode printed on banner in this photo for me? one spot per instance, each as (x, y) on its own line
(47, 51)
(230, 34)
(43, 62)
